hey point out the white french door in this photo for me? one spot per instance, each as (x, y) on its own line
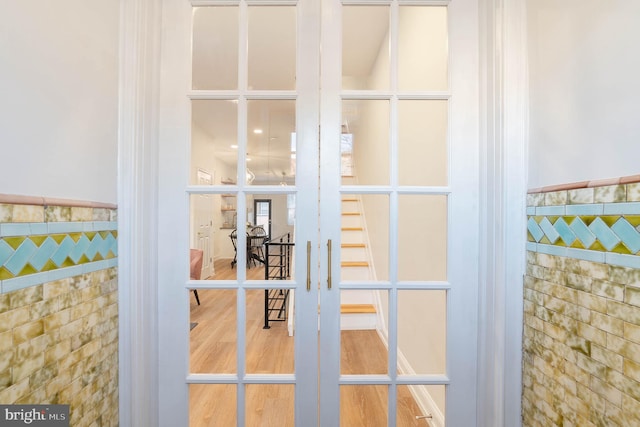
(359, 121)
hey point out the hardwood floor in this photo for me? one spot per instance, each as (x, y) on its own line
(213, 349)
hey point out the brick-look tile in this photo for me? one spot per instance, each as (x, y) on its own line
(633, 192)
(610, 324)
(610, 194)
(607, 289)
(59, 344)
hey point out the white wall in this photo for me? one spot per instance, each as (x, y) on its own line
(585, 90)
(59, 98)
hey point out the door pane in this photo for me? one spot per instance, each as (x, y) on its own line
(422, 237)
(422, 48)
(363, 405)
(422, 142)
(365, 47)
(411, 398)
(364, 248)
(270, 405)
(212, 222)
(272, 47)
(213, 328)
(212, 405)
(362, 350)
(214, 140)
(269, 351)
(365, 142)
(422, 331)
(271, 142)
(215, 48)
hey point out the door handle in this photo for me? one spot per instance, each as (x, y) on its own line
(329, 264)
(308, 266)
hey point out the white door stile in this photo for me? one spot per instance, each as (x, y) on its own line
(307, 136)
(464, 175)
(330, 223)
(173, 208)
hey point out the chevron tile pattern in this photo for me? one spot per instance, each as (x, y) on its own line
(608, 233)
(23, 255)
(41, 241)
(597, 224)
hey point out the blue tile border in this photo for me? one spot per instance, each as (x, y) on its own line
(17, 283)
(606, 230)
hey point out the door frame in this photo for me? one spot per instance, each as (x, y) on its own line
(503, 94)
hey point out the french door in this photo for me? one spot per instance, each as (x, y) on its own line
(359, 121)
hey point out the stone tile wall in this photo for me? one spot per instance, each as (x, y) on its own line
(59, 308)
(581, 349)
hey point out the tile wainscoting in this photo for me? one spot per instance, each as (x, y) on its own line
(59, 306)
(581, 341)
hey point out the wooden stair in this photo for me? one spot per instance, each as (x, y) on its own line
(357, 308)
(354, 264)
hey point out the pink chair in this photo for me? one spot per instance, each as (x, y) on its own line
(196, 268)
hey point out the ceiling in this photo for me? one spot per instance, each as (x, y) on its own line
(271, 65)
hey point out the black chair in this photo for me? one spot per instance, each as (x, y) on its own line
(256, 239)
(234, 241)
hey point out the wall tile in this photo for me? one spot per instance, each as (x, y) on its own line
(581, 340)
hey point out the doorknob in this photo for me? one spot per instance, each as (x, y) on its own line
(329, 264)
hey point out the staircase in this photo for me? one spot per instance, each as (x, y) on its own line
(357, 308)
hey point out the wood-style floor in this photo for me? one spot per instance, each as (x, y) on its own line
(213, 350)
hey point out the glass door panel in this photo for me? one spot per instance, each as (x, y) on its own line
(365, 142)
(363, 405)
(272, 47)
(423, 53)
(422, 142)
(210, 403)
(422, 237)
(365, 47)
(212, 331)
(215, 47)
(422, 332)
(271, 144)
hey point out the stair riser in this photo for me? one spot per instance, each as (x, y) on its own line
(349, 296)
(355, 273)
(351, 221)
(358, 321)
(350, 206)
(353, 254)
(352, 236)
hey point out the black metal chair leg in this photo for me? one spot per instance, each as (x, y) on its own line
(195, 293)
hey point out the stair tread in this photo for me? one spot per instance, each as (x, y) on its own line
(354, 264)
(349, 200)
(350, 213)
(352, 228)
(357, 308)
(352, 245)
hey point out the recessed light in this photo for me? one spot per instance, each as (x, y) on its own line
(234, 146)
(257, 131)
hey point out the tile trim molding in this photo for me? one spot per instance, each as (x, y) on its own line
(595, 221)
(15, 199)
(45, 239)
(587, 184)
